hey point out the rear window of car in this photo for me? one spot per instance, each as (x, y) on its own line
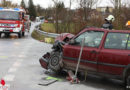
(117, 41)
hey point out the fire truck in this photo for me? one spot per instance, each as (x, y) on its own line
(12, 21)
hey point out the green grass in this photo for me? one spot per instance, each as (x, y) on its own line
(48, 27)
(41, 37)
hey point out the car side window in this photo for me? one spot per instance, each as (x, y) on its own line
(92, 38)
(116, 41)
(128, 44)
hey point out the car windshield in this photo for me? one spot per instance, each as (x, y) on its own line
(9, 15)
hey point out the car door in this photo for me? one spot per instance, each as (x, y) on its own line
(115, 54)
(90, 50)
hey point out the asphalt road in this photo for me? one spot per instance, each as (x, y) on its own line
(20, 68)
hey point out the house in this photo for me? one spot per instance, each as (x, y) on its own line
(105, 9)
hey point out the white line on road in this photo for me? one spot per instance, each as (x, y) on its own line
(17, 64)
(13, 69)
(9, 77)
(21, 56)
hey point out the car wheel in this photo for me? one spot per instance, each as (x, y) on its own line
(55, 62)
(19, 34)
(23, 33)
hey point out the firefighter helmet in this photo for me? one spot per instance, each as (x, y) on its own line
(110, 18)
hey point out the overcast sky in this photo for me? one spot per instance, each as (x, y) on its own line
(48, 3)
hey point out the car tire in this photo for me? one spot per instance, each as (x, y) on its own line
(19, 34)
(23, 33)
(55, 62)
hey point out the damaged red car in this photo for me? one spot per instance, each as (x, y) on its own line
(105, 52)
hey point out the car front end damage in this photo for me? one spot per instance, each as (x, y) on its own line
(44, 60)
(53, 60)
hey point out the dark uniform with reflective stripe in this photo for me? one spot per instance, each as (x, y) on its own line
(107, 25)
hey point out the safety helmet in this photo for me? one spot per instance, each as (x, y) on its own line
(128, 23)
(110, 18)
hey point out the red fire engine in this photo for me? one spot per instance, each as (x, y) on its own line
(12, 21)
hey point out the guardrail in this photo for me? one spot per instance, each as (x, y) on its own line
(54, 35)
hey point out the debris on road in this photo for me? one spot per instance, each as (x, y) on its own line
(49, 80)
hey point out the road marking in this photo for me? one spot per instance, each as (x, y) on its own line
(21, 56)
(9, 77)
(13, 69)
(20, 60)
(3, 57)
(17, 64)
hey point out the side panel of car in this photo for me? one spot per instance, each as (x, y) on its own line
(88, 60)
(114, 55)
(112, 61)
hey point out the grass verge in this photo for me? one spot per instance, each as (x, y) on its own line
(48, 27)
(41, 37)
(63, 28)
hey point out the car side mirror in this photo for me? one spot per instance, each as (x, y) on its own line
(72, 42)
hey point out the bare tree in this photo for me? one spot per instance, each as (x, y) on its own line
(116, 3)
(58, 9)
(5, 3)
(87, 5)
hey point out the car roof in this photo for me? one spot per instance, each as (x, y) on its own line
(105, 30)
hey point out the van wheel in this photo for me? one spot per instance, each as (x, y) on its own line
(19, 34)
(128, 83)
(55, 62)
(23, 33)
(0, 35)
(7, 34)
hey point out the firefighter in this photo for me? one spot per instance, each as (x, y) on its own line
(108, 22)
(128, 24)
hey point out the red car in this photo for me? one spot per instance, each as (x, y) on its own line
(105, 52)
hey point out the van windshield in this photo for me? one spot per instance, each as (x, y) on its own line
(9, 15)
